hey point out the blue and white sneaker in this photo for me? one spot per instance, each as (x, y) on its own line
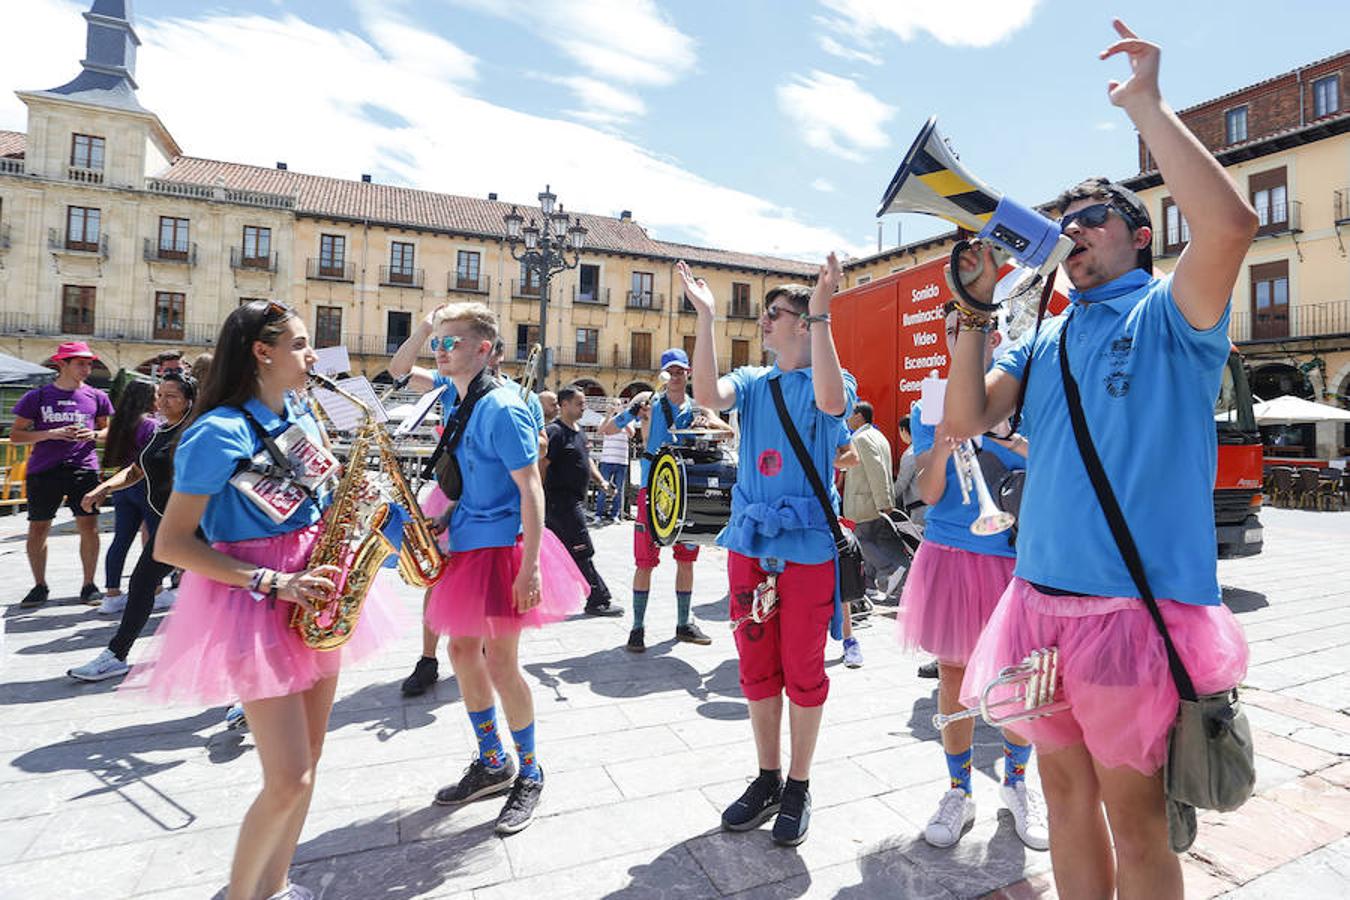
(234, 718)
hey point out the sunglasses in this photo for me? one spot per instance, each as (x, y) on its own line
(1093, 216)
(773, 312)
(273, 313)
(447, 343)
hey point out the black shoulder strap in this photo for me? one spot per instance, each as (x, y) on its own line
(669, 411)
(1120, 530)
(1046, 292)
(281, 464)
(804, 458)
(454, 429)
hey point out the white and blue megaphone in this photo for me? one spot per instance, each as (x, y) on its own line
(931, 180)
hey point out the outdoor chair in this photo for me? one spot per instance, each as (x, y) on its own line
(1308, 488)
(1329, 490)
(1282, 485)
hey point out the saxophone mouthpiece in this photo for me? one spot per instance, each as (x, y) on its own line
(401, 382)
(322, 380)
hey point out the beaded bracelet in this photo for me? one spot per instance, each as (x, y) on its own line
(255, 583)
(970, 320)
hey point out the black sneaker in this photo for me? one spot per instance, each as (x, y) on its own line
(478, 781)
(691, 634)
(929, 670)
(91, 595)
(423, 676)
(635, 641)
(36, 597)
(794, 818)
(519, 810)
(760, 801)
(603, 608)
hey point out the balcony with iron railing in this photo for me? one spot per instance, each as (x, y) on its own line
(746, 310)
(1284, 218)
(466, 283)
(253, 263)
(84, 174)
(1340, 204)
(403, 277)
(59, 242)
(525, 291)
(105, 328)
(11, 166)
(178, 253)
(219, 192)
(574, 355)
(1163, 248)
(1297, 320)
(318, 269)
(594, 297)
(645, 300)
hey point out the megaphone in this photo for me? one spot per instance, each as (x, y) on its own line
(931, 180)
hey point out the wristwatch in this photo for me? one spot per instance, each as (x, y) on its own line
(811, 320)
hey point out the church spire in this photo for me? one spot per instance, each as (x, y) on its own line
(109, 67)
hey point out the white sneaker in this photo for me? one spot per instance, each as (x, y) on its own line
(105, 665)
(893, 583)
(112, 606)
(853, 657)
(1028, 811)
(955, 812)
(293, 891)
(164, 599)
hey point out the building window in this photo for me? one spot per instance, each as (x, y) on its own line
(526, 337)
(398, 326)
(244, 301)
(169, 316)
(688, 341)
(588, 283)
(332, 256)
(588, 345)
(173, 238)
(1326, 95)
(257, 247)
(400, 263)
(863, 279)
(77, 309)
(640, 350)
(740, 300)
(82, 228)
(530, 286)
(1176, 230)
(740, 353)
(1269, 195)
(327, 326)
(1235, 125)
(86, 151)
(467, 267)
(1270, 300)
(641, 294)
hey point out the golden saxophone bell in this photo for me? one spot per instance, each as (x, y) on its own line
(1036, 681)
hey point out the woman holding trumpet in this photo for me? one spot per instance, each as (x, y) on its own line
(953, 587)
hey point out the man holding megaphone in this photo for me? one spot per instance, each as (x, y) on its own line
(1133, 366)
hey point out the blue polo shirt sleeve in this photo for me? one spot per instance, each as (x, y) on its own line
(921, 434)
(624, 419)
(1207, 348)
(1014, 361)
(515, 436)
(536, 411)
(207, 455)
(741, 379)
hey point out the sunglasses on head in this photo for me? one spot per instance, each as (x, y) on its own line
(447, 343)
(273, 313)
(773, 312)
(1093, 216)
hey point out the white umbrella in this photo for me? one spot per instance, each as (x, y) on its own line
(1288, 409)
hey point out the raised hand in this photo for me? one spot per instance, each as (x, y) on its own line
(696, 290)
(827, 282)
(1144, 57)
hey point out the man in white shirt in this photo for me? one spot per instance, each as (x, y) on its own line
(614, 469)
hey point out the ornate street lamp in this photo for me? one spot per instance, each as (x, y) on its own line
(545, 253)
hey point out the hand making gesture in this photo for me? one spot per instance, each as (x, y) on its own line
(696, 290)
(827, 282)
(1142, 85)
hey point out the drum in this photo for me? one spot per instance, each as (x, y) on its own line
(689, 491)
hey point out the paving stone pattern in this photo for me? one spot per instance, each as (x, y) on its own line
(102, 795)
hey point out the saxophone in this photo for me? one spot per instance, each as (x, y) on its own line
(353, 534)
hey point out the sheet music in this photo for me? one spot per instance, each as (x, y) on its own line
(344, 415)
(419, 411)
(332, 361)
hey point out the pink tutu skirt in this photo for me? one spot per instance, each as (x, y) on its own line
(949, 596)
(219, 645)
(474, 597)
(434, 503)
(1112, 666)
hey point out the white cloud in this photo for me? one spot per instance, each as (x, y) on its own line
(834, 114)
(602, 104)
(824, 185)
(256, 89)
(972, 23)
(834, 48)
(1106, 126)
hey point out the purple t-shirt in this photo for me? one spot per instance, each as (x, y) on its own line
(51, 407)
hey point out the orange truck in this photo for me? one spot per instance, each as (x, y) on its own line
(890, 336)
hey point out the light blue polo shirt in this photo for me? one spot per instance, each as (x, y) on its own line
(208, 455)
(501, 437)
(948, 521)
(451, 398)
(1148, 381)
(774, 512)
(658, 432)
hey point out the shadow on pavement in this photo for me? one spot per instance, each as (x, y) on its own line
(617, 673)
(988, 741)
(1243, 601)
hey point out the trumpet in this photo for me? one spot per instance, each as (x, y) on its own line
(1038, 678)
(530, 372)
(991, 519)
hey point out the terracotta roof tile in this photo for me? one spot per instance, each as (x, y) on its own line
(12, 143)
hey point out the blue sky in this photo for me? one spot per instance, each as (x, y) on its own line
(747, 124)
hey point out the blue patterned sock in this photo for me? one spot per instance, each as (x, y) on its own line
(639, 607)
(682, 601)
(529, 766)
(958, 766)
(490, 749)
(1015, 759)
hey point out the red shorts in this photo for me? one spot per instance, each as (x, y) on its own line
(788, 650)
(646, 553)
